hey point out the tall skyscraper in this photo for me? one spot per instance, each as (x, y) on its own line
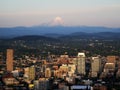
(32, 73)
(81, 63)
(9, 61)
(95, 66)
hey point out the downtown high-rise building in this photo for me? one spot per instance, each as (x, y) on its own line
(9, 60)
(44, 84)
(47, 73)
(111, 59)
(32, 73)
(80, 63)
(95, 66)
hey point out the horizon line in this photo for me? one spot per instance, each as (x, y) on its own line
(19, 26)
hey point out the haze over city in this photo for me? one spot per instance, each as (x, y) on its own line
(60, 12)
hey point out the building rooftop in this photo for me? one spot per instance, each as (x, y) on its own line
(109, 66)
(81, 54)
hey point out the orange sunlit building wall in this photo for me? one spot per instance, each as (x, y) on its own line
(111, 59)
(9, 61)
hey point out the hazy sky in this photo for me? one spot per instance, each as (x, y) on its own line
(65, 12)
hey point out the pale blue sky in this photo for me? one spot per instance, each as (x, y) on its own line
(72, 12)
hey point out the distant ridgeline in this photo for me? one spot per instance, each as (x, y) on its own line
(55, 31)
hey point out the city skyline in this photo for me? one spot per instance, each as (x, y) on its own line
(63, 12)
